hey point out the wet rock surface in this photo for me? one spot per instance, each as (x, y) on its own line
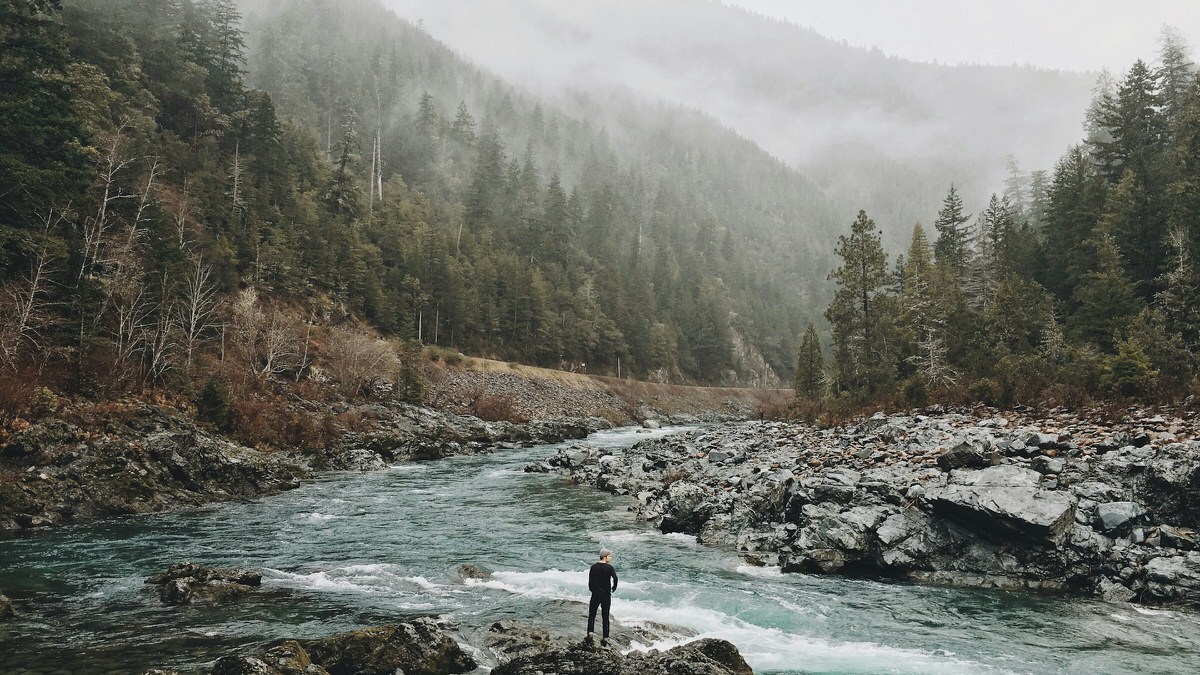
(417, 647)
(187, 583)
(150, 460)
(411, 433)
(1055, 502)
(530, 650)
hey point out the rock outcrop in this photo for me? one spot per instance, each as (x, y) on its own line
(1057, 503)
(187, 583)
(410, 433)
(146, 460)
(529, 650)
(417, 647)
(149, 459)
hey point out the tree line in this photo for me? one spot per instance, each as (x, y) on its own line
(1068, 286)
(193, 201)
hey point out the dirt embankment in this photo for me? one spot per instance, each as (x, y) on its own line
(498, 390)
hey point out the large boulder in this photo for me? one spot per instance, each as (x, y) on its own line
(287, 658)
(417, 647)
(540, 655)
(6, 608)
(965, 455)
(685, 508)
(1112, 516)
(186, 583)
(1174, 578)
(1005, 502)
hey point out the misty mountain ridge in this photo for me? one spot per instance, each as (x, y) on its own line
(877, 132)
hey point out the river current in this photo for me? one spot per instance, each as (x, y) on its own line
(357, 549)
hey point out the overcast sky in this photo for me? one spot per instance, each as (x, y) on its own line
(1063, 34)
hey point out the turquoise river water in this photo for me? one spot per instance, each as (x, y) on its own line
(357, 549)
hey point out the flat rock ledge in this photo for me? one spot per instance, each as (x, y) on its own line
(187, 583)
(1057, 503)
(524, 649)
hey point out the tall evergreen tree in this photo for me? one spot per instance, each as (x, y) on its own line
(1134, 120)
(1105, 298)
(952, 248)
(810, 367)
(43, 161)
(1176, 73)
(862, 315)
(1077, 196)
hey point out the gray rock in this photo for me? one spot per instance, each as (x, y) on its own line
(964, 455)
(685, 508)
(1048, 465)
(286, 658)
(1112, 591)
(1175, 578)
(186, 583)
(1111, 516)
(417, 647)
(1004, 502)
(469, 571)
(718, 456)
(6, 608)
(1041, 440)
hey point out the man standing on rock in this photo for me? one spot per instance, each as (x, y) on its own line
(598, 580)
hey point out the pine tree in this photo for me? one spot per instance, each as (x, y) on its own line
(810, 367)
(1077, 197)
(1176, 73)
(1016, 188)
(43, 162)
(922, 313)
(952, 248)
(862, 315)
(1105, 297)
(1134, 120)
(990, 263)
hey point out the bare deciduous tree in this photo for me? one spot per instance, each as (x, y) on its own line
(268, 340)
(196, 312)
(357, 359)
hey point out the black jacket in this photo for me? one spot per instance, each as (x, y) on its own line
(598, 579)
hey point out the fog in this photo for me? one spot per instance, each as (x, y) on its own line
(1081, 35)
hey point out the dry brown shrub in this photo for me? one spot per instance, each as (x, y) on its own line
(266, 337)
(772, 404)
(267, 424)
(358, 421)
(17, 392)
(496, 408)
(357, 359)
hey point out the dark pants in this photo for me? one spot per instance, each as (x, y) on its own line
(604, 602)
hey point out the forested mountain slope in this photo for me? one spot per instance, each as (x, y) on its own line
(161, 214)
(624, 230)
(878, 132)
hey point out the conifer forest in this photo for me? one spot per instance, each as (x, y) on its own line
(204, 194)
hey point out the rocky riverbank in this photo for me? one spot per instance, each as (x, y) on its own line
(428, 646)
(425, 646)
(142, 458)
(1005, 501)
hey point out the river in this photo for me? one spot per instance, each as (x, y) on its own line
(356, 549)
